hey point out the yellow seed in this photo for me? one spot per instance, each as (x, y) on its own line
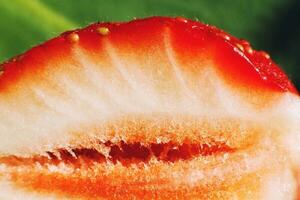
(249, 50)
(103, 30)
(245, 42)
(267, 56)
(73, 37)
(181, 19)
(1, 70)
(240, 47)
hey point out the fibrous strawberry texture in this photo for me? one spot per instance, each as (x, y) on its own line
(156, 108)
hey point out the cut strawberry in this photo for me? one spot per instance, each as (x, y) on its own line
(157, 108)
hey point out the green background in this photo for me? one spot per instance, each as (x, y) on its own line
(270, 25)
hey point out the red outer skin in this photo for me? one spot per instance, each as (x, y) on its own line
(236, 60)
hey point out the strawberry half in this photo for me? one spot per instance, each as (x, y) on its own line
(157, 108)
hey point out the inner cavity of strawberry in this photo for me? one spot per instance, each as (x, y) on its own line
(125, 153)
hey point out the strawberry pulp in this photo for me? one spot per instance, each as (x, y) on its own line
(125, 153)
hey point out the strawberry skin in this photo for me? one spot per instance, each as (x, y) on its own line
(152, 81)
(235, 59)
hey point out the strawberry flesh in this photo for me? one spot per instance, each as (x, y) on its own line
(68, 87)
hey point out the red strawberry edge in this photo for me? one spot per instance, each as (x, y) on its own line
(262, 71)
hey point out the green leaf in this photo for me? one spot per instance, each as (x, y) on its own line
(25, 23)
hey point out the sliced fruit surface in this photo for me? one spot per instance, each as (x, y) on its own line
(156, 108)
